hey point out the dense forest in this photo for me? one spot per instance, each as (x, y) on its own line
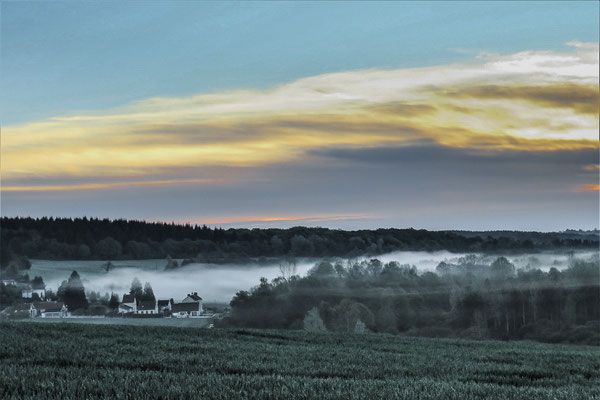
(103, 239)
(466, 299)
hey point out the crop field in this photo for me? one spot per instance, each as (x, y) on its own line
(75, 361)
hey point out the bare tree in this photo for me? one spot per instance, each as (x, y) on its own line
(288, 268)
(108, 266)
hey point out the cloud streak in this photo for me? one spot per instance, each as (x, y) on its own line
(529, 101)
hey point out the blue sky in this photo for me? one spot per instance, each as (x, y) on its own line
(438, 115)
(61, 57)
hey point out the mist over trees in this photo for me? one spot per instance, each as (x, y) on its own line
(148, 293)
(72, 292)
(114, 301)
(136, 289)
(96, 239)
(467, 299)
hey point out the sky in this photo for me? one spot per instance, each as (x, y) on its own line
(435, 115)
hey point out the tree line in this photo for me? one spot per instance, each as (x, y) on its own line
(104, 239)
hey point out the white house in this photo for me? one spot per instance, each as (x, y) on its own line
(9, 282)
(27, 293)
(193, 298)
(54, 309)
(147, 307)
(128, 305)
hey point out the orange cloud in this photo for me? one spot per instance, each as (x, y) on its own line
(107, 185)
(589, 188)
(219, 221)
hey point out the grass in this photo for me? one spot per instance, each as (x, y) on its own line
(74, 361)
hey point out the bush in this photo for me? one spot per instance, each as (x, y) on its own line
(98, 309)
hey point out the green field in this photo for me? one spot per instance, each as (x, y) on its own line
(75, 361)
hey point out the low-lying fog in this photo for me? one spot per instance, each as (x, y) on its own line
(219, 283)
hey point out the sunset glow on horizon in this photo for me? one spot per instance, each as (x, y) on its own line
(313, 218)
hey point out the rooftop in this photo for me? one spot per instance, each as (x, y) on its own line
(23, 307)
(128, 298)
(50, 306)
(194, 296)
(147, 305)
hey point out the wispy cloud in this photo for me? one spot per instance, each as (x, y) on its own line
(528, 101)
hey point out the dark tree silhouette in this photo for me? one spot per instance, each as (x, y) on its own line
(74, 293)
(113, 303)
(136, 289)
(148, 293)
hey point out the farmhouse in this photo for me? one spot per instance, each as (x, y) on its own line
(190, 307)
(147, 307)
(54, 309)
(128, 305)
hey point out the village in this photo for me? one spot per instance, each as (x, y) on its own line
(36, 302)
